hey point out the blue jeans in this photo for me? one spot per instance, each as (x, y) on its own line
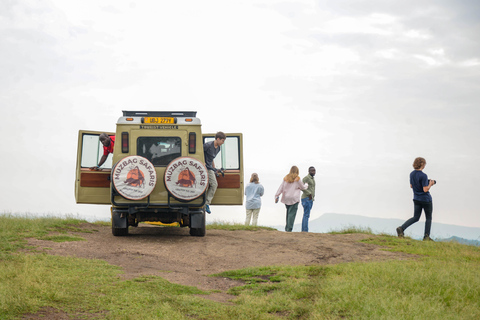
(418, 206)
(307, 206)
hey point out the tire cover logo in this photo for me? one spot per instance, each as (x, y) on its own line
(186, 178)
(134, 177)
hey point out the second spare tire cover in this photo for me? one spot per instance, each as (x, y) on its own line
(186, 178)
(134, 177)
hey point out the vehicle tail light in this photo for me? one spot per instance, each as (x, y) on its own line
(124, 142)
(192, 142)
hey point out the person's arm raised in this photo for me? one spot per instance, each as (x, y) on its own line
(430, 184)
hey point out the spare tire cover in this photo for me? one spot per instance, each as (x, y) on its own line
(134, 177)
(186, 178)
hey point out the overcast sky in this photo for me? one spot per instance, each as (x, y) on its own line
(357, 89)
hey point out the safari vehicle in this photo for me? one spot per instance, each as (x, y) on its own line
(157, 173)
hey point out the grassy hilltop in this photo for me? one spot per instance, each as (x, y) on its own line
(442, 282)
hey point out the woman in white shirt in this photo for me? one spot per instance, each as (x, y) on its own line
(253, 192)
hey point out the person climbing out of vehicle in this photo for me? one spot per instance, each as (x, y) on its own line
(108, 144)
(210, 150)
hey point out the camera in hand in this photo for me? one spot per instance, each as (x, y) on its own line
(434, 181)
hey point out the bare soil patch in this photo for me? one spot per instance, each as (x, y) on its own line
(171, 253)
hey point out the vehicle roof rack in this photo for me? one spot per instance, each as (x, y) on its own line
(191, 114)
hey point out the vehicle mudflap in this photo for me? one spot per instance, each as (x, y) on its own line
(196, 220)
(119, 220)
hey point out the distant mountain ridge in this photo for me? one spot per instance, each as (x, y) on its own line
(334, 221)
(461, 240)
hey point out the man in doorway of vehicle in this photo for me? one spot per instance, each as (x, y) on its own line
(308, 197)
(210, 150)
(108, 143)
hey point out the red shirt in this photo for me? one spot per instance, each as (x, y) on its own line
(109, 149)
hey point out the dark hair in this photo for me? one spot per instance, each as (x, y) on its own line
(103, 137)
(220, 135)
(419, 162)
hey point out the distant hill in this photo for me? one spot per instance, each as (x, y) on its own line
(335, 221)
(461, 240)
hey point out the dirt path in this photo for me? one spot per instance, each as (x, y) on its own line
(174, 255)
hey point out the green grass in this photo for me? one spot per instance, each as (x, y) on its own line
(352, 229)
(14, 230)
(223, 225)
(439, 281)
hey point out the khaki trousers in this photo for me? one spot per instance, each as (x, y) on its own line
(252, 213)
(212, 186)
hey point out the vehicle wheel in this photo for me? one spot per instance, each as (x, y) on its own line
(119, 232)
(134, 177)
(119, 225)
(186, 178)
(199, 232)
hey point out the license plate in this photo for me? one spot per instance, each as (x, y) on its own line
(157, 120)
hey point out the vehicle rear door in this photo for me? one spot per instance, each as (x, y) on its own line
(230, 189)
(91, 186)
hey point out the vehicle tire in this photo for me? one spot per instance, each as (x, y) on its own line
(199, 232)
(119, 232)
(119, 225)
(134, 177)
(186, 178)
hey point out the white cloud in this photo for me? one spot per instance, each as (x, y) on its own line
(417, 34)
(376, 24)
(470, 63)
(428, 60)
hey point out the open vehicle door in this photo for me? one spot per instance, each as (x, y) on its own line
(230, 189)
(92, 187)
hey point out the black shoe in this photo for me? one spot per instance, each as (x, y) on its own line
(400, 232)
(427, 238)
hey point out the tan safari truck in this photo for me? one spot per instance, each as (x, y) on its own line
(157, 172)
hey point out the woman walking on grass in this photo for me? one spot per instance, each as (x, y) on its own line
(290, 190)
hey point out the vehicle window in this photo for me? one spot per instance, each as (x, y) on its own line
(160, 151)
(92, 151)
(229, 155)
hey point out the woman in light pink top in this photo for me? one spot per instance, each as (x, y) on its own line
(290, 190)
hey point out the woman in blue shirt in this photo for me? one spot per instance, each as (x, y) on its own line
(422, 199)
(253, 192)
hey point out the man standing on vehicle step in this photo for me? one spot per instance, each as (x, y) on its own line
(210, 150)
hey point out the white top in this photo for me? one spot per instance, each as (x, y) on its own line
(253, 192)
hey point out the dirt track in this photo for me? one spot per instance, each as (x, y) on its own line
(176, 256)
